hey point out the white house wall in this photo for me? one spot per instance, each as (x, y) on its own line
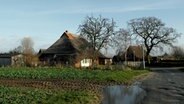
(86, 63)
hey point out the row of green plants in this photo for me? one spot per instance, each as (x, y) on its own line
(22, 95)
(70, 73)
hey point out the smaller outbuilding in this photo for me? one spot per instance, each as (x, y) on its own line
(133, 56)
(7, 59)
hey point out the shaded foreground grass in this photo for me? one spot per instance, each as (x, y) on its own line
(19, 95)
(71, 74)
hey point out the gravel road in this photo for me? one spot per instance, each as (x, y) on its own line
(165, 86)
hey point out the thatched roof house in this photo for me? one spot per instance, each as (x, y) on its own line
(133, 53)
(69, 49)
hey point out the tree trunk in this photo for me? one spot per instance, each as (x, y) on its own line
(126, 58)
(94, 59)
(148, 56)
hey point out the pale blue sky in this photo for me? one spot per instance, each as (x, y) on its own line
(46, 20)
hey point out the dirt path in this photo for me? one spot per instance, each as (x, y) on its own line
(166, 86)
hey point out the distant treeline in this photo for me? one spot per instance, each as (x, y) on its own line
(166, 63)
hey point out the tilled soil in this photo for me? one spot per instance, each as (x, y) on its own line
(55, 84)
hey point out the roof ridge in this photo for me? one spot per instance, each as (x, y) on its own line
(70, 35)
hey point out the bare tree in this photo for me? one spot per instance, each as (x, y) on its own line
(16, 50)
(178, 52)
(98, 31)
(153, 32)
(122, 40)
(27, 45)
(28, 51)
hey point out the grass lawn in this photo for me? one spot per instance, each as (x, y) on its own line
(71, 74)
(18, 95)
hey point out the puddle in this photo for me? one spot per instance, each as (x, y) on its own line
(123, 94)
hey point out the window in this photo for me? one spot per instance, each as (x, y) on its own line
(83, 61)
(86, 61)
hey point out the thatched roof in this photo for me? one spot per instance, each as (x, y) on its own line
(136, 50)
(68, 43)
(132, 51)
